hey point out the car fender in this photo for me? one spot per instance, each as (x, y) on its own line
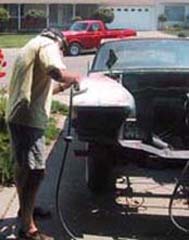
(75, 40)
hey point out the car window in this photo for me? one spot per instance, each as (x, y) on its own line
(144, 54)
(79, 26)
(95, 27)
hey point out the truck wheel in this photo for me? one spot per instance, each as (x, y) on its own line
(98, 167)
(74, 49)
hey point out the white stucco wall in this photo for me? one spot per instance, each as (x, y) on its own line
(137, 17)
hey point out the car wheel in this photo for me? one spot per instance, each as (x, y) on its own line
(98, 167)
(74, 49)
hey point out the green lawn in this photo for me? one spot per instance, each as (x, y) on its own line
(14, 40)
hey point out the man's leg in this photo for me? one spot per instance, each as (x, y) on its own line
(27, 151)
(27, 183)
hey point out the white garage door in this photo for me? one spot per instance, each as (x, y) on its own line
(139, 18)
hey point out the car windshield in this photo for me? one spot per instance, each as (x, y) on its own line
(79, 26)
(143, 54)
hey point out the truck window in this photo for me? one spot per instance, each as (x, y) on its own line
(79, 26)
(95, 27)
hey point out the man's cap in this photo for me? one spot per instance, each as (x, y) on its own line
(53, 33)
(57, 35)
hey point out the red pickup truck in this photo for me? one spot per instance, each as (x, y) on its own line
(87, 35)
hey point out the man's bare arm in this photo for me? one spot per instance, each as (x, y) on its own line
(65, 78)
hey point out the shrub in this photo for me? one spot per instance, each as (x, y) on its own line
(104, 14)
(6, 165)
(3, 100)
(76, 18)
(58, 107)
(4, 14)
(52, 131)
(182, 34)
(34, 19)
(35, 14)
(162, 19)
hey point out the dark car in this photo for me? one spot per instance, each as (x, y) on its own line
(137, 99)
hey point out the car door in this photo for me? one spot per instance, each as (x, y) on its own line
(94, 35)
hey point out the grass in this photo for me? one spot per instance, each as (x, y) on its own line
(14, 40)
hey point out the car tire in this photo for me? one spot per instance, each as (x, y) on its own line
(74, 49)
(98, 167)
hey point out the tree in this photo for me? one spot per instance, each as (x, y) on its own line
(104, 14)
(162, 19)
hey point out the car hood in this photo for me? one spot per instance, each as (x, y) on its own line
(101, 91)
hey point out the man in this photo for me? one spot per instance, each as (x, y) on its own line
(30, 94)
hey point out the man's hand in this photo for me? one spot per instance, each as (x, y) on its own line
(66, 80)
(70, 78)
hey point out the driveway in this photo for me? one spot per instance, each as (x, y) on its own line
(107, 216)
(153, 34)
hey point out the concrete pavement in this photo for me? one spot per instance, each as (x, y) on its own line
(154, 34)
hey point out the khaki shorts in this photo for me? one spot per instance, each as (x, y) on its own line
(27, 146)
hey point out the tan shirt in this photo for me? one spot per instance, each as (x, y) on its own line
(30, 90)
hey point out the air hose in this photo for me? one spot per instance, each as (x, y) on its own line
(178, 184)
(67, 139)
